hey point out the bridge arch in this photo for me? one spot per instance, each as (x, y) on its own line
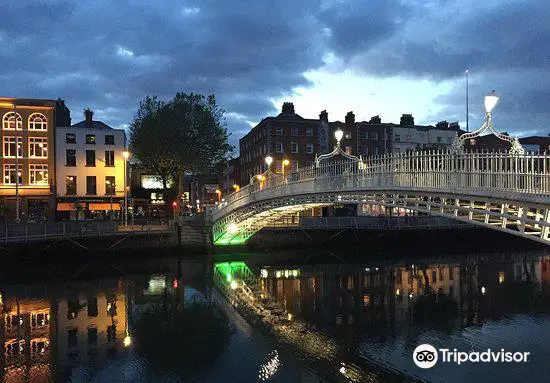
(510, 193)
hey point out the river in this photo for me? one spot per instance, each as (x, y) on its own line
(78, 324)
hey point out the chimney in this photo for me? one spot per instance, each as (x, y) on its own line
(407, 119)
(375, 120)
(288, 108)
(350, 118)
(442, 125)
(323, 116)
(89, 115)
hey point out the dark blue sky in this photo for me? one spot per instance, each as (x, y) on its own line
(373, 57)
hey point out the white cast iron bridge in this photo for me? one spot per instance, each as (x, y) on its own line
(509, 192)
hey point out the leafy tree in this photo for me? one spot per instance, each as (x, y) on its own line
(186, 134)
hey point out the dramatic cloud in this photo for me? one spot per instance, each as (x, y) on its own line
(108, 55)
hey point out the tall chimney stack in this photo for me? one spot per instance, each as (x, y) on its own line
(89, 114)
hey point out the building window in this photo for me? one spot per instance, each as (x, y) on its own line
(375, 150)
(363, 151)
(109, 139)
(309, 148)
(109, 158)
(347, 136)
(309, 164)
(294, 166)
(9, 174)
(294, 147)
(278, 147)
(110, 185)
(90, 138)
(294, 131)
(364, 135)
(8, 122)
(70, 138)
(38, 147)
(348, 149)
(278, 131)
(90, 157)
(38, 174)
(9, 147)
(92, 307)
(37, 121)
(396, 138)
(91, 185)
(438, 140)
(374, 136)
(70, 181)
(309, 132)
(70, 157)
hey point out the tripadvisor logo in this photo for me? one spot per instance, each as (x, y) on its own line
(426, 356)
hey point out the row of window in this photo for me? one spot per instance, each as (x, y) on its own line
(294, 131)
(37, 121)
(293, 147)
(91, 185)
(38, 147)
(70, 138)
(38, 174)
(70, 157)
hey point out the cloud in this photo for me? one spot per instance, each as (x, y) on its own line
(108, 55)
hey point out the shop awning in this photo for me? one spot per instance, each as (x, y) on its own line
(104, 206)
(65, 206)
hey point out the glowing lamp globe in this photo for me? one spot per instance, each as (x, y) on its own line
(491, 101)
(269, 160)
(338, 135)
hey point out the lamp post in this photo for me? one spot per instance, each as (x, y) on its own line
(285, 163)
(108, 183)
(219, 194)
(467, 100)
(269, 161)
(125, 154)
(236, 187)
(490, 102)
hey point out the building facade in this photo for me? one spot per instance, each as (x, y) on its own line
(29, 171)
(490, 142)
(231, 177)
(290, 139)
(91, 168)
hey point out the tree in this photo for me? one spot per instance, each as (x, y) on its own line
(186, 134)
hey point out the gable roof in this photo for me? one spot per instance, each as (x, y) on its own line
(95, 125)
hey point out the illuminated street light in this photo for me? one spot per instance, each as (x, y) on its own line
(236, 187)
(338, 134)
(127, 341)
(490, 102)
(234, 285)
(219, 193)
(268, 161)
(285, 163)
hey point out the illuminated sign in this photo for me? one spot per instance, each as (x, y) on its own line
(153, 182)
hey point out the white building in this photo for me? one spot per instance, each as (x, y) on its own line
(90, 170)
(414, 137)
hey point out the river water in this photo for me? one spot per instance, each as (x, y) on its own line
(78, 324)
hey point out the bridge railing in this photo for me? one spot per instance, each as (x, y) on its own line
(471, 172)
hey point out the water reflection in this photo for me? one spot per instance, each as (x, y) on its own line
(381, 311)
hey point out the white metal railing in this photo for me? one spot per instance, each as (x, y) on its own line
(474, 173)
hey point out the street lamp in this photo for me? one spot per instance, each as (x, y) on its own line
(126, 155)
(490, 102)
(338, 134)
(285, 163)
(268, 161)
(219, 193)
(236, 187)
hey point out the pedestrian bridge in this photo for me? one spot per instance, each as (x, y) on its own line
(502, 191)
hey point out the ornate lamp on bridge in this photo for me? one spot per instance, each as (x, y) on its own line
(338, 135)
(261, 177)
(491, 101)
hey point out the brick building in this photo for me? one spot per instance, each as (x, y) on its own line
(32, 126)
(231, 176)
(287, 136)
(490, 142)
